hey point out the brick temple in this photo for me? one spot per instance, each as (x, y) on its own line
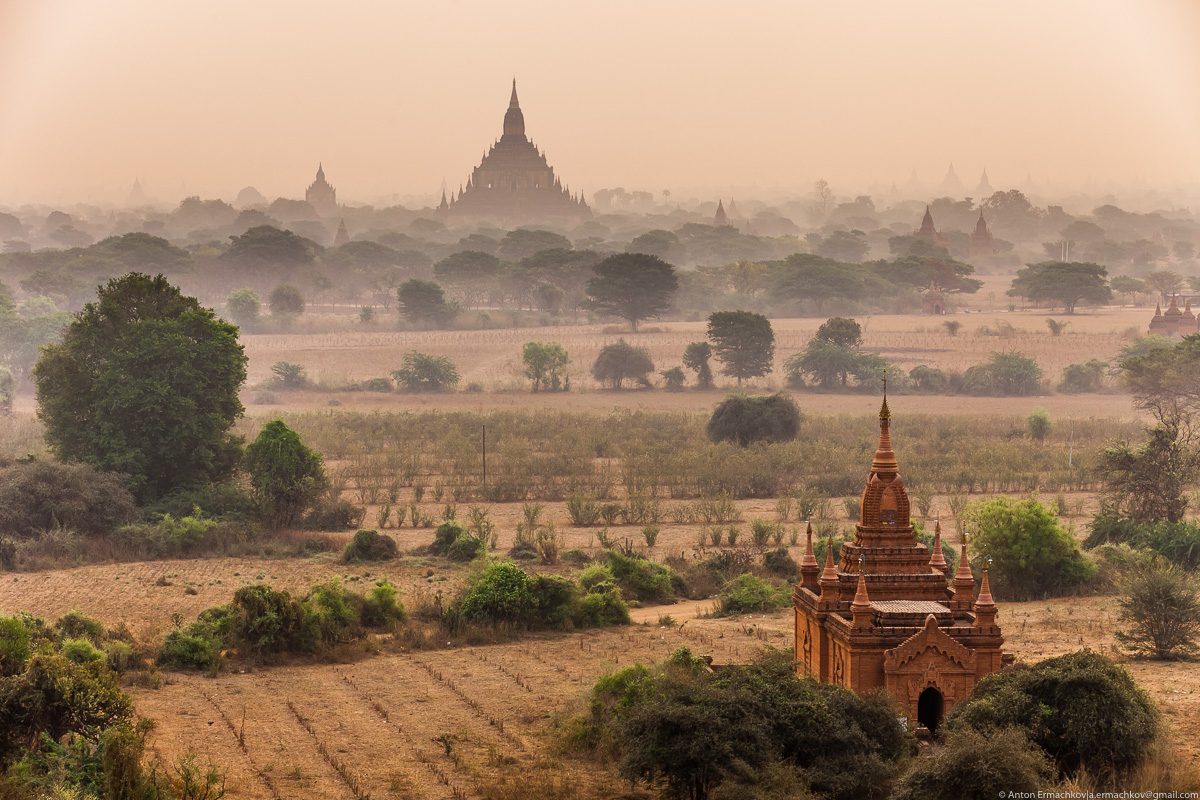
(885, 616)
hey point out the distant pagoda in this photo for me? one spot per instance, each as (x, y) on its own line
(514, 184)
(320, 195)
(981, 242)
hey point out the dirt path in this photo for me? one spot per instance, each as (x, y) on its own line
(688, 609)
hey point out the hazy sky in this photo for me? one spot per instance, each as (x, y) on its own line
(688, 95)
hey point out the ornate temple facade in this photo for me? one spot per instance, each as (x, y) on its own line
(320, 195)
(981, 243)
(884, 616)
(1174, 321)
(927, 231)
(514, 184)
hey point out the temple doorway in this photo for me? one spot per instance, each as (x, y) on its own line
(930, 707)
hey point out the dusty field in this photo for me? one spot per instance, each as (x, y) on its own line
(440, 724)
(492, 358)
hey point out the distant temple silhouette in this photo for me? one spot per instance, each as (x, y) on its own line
(1173, 321)
(927, 231)
(981, 243)
(513, 183)
(320, 195)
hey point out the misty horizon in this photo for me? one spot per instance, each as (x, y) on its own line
(697, 99)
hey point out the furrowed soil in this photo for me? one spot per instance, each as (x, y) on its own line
(383, 721)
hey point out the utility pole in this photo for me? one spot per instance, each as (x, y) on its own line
(485, 456)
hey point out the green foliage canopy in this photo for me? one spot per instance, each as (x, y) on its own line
(145, 381)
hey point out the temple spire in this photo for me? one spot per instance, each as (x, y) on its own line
(512, 101)
(885, 459)
(860, 609)
(936, 560)
(808, 565)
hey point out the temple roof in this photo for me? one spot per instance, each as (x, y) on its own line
(927, 223)
(514, 120)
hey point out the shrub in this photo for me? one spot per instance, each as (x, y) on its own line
(368, 545)
(674, 378)
(378, 385)
(286, 299)
(645, 580)
(1081, 708)
(650, 534)
(545, 365)
(445, 536)
(583, 510)
(287, 476)
(1005, 374)
(42, 495)
(81, 651)
(421, 372)
(381, 607)
(762, 418)
(1161, 604)
(1038, 423)
(271, 621)
(287, 376)
(222, 501)
(14, 646)
(1031, 554)
(1084, 377)
(333, 515)
(621, 362)
(747, 594)
(780, 562)
(77, 625)
(600, 609)
(501, 593)
(467, 548)
(972, 765)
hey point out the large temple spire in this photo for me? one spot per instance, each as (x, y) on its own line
(514, 120)
(512, 101)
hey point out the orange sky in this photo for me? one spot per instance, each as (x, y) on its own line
(688, 95)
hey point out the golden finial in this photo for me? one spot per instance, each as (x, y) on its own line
(884, 411)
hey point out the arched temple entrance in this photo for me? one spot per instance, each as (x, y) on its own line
(930, 708)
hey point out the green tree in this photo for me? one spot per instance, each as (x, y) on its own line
(674, 378)
(1087, 376)
(1004, 374)
(1065, 283)
(469, 273)
(763, 418)
(287, 375)
(421, 372)
(287, 476)
(1164, 281)
(844, 246)
(1161, 604)
(145, 381)
(1150, 481)
(1039, 424)
(828, 364)
(521, 243)
(840, 331)
(243, 306)
(817, 280)
(1131, 288)
(743, 342)
(620, 362)
(267, 247)
(695, 358)
(659, 243)
(633, 286)
(972, 765)
(1080, 708)
(545, 365)
(286, 299)
(424, 301)
(1030, 553)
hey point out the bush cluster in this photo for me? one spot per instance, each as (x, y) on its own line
(680, 726)
(503, 593)
(264, 623)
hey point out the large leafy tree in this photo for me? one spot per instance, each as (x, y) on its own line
(469, 273)
(1150, 481)
(266, 247)
(424, 301)
(145, 381)
(1065, 283)
(620, 362)
(743, 342)
(633, 286)
(817, 280)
